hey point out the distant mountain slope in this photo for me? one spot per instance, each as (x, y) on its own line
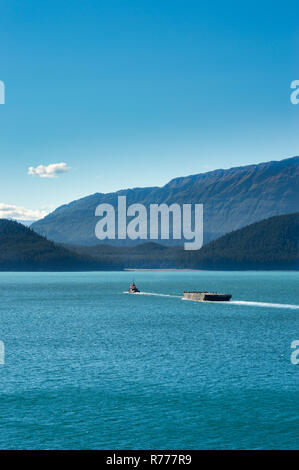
(232, 199)
(269, 244)
(23, 249)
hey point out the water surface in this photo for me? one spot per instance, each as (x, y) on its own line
(89, 367)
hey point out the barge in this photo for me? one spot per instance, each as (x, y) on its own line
(206, 296)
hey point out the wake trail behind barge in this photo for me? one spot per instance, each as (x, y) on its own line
(231, 302)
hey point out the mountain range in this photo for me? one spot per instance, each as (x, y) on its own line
(232, 199)
(268, 244)
(21, 249)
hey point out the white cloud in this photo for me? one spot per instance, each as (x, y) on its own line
(48, 171)
(10, 211)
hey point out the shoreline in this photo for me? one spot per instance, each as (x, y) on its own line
(161, 269)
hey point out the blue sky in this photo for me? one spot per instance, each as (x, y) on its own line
(134, 93)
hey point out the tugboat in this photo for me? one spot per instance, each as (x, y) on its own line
(133, 289)
(207, 296)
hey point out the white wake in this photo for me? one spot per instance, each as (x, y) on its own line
(155, 294)
(263, 304)
(248, 303)
(231, 302)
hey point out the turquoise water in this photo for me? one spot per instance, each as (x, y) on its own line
(90, 367)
